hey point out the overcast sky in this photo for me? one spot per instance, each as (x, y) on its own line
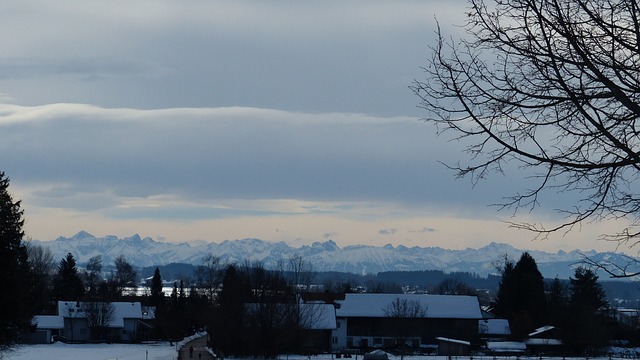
(215, 120)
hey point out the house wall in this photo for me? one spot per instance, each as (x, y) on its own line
(40, 336)
(339, 335)
(130, 330)
(76, 329)
(381, 332)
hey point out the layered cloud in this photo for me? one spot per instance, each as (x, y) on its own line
(84, 157)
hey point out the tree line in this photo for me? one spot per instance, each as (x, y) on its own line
(577, 308)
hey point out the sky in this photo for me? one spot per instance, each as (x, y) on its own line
(221, 120)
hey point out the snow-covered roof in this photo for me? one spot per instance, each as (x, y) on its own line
(438, 306)
(324, 316)
(49, 321)
(455, 341)
(313, 316)
(121, 311)
(494, 327)
(541, 330)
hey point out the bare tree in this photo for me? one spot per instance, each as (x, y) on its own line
(42, 265)
(300, 272)
(626, 267)
(93, 274)
(449, 286)
(99, 315)
(125, 276)
(554, 86)
(209, 275)
(406, 314)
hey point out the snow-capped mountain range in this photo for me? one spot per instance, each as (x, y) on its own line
(324, 256)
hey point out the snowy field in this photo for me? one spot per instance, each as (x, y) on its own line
(163, 351)
(61, 351)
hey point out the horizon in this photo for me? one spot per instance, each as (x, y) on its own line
(199, 242)
(352, 258)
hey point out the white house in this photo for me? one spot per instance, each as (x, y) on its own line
(125, 322)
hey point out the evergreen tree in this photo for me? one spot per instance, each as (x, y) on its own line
(16, 308)
(157, 296)
(586, 293)
(68, 285)
(589, 331)
(505, 297)
(236, 291)
(557, 302)
(521, 296)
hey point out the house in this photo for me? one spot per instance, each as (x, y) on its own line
(95, 321)
(309, 325)
(363, 321)
(47, 326)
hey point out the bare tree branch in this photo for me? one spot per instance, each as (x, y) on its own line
(552, 86)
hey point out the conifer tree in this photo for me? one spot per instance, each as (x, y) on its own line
(586, 293)
(521, 296)
(589, 329)
(157, 296)
(16, 308)
(68, 285)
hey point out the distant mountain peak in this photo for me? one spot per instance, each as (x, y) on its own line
(323, 256)
(82, 235)
(328, 245)
(134, 238)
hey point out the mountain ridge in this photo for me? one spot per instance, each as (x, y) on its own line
(324, 256)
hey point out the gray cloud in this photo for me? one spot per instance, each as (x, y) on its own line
(329, 235)
(343, 56)
(92, 155)
(387, 231)
(214, 153)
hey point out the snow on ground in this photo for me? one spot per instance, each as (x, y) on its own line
(61, 351)
(164, 351)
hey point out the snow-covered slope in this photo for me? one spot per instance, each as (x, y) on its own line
(324, 256)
